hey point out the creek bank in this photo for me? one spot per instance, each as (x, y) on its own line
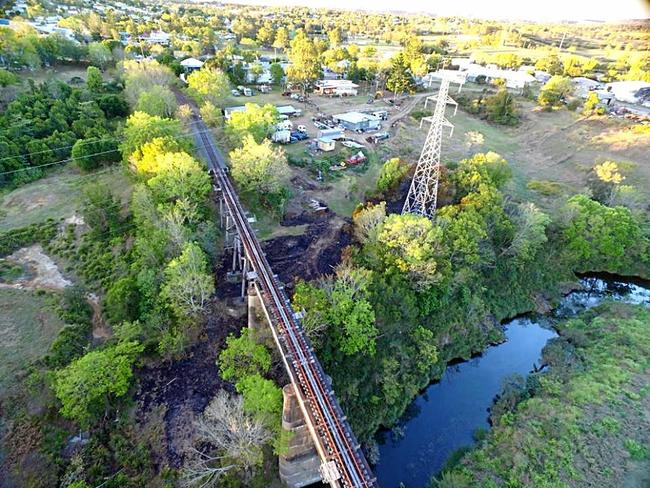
(444, 417)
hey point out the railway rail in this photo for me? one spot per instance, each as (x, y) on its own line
(334, 440)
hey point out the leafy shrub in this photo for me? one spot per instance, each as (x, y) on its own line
(71, 343)
(14, 239)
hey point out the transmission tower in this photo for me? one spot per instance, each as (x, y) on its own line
(423, 193)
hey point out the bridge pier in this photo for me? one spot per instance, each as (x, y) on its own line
(300, 466)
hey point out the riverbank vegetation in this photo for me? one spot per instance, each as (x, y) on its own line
(415, 293)
(584, 421)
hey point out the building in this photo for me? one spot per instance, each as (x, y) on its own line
(326, 144)
(584, 85)
(358, 121)
(288, 110)
(191, 64)
(157, 37)
(630, 91)
(228, 111)
(333, 134)
(487, 74)
(339, 88)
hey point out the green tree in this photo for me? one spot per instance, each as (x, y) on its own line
(413, 245)
(555, 91)
(551, 64)
(93, 152)
(305, 61)
(99, 55)
(501, 108)
(592, 104)
(391, 174)
(603, 238)
(277, 73)
(94, 80)
(87, 386)
(256, 121)
(209, 84)
(262, 399)
(142, 128)
(158, 100)
(258, 167)
(188, 284)
(7, 78)
(400, 79)
(243, 356)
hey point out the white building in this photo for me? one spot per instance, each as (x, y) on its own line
(513, 79)
(157, 37)
(584, 85)
(628, 91)
(358, 121)
(191, 64)
(339, 88)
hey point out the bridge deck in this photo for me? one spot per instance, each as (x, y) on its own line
(332, 435)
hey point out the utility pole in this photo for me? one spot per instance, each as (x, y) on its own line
(562, 41)
(422, 197)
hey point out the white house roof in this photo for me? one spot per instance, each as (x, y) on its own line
(355, 117)
(492, 72)
(286, 109)
(625, 91)
(336, 84)
(191, 63)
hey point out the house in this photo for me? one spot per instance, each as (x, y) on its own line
(191, 64)
(584, 85)
(487, 74)
(288, 110)
(358, 121)
(630, 91)
(326, 144)
(157, 37)
(340, 88)
(228, 111)
(333, 134)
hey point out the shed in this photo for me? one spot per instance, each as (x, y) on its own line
(326, 144)
(288, 110)
(227, 112)
(333, 134)
(191, 64)
(357, 121)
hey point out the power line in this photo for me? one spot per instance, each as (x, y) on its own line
(28, 168)
(54, 149)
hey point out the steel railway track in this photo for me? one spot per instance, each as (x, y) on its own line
(331, 432)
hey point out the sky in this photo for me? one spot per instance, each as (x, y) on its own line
(540, 10)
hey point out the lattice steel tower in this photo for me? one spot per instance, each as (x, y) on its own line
(423, 193)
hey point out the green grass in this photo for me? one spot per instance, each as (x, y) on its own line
(28, 325)
(56, 196)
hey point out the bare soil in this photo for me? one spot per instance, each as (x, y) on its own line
(41, 272)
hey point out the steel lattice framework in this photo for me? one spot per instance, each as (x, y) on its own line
(423, 193)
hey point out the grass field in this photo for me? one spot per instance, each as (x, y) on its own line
(27, 327)
(56, 196)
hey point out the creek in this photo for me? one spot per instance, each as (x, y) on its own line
(444, 417)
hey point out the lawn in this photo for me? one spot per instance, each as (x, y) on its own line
(56, 196)
(28, 325)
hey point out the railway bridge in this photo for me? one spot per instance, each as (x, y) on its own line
(342, 463)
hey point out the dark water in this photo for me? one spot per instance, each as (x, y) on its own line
(443, 418)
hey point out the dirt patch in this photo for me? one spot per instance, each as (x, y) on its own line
(42, 272)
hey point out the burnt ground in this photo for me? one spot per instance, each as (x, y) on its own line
(179, 390)
(171, 395)
(312, 254)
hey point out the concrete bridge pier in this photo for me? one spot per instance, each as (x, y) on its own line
(300, 466)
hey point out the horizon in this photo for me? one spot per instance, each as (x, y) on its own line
(549, 11)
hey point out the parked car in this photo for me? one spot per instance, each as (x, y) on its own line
(295, 96)
(235, 93)
(379, 136)
(301, 128)
(300, 136)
